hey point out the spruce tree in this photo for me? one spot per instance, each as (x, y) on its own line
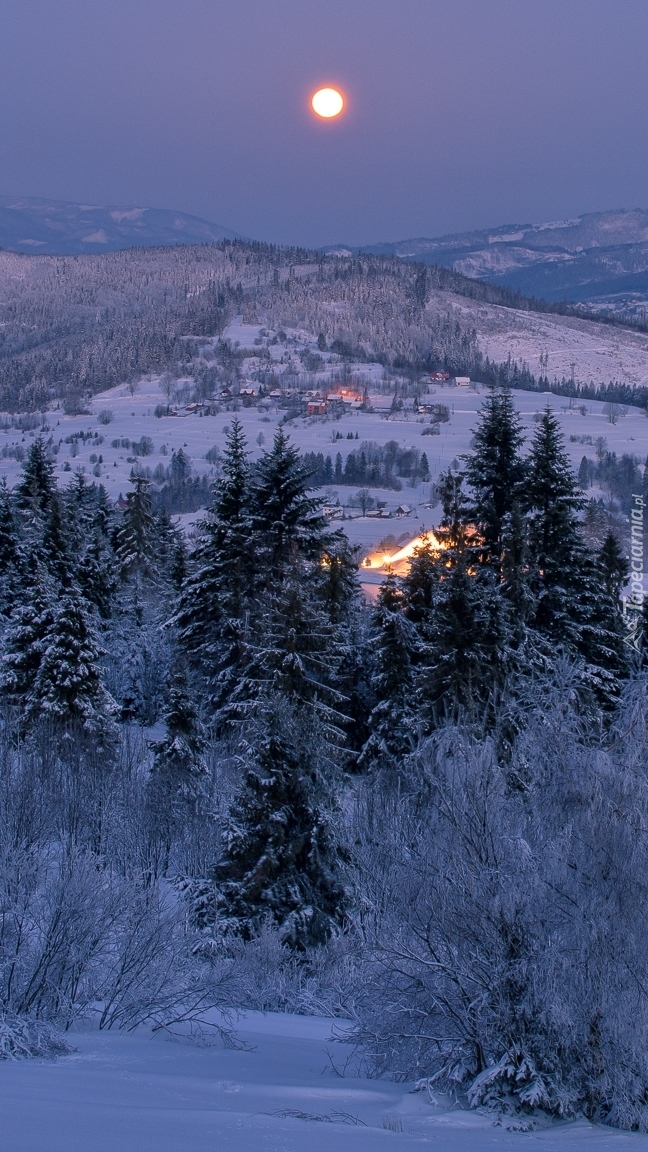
(556, 549)
(280, 862)
(26, 639)
(36, 487)
(393, 722)
(216, 602)
(574, 609)
(12, 559)
(179, 771)
(68, 688)
(614, 566)
(135, 538)
(419, 584)
(495, 470)
(336, 579)
(55, 549)
(179, 777)
(465, 652)
(287, 520)
(295, 656)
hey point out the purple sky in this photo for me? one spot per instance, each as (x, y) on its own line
(461, 113)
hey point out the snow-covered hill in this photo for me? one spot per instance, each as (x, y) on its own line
(30, 224)
(601, 256)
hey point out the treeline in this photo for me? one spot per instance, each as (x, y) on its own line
(621, 477)
(373, 465)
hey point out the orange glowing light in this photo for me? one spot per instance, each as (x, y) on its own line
(392, 560)
(327, 103)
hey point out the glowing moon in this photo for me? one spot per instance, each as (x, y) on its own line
(327, 102)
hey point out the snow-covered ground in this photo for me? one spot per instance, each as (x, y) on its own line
(133, 417)
(145, 1093)
(591, 352)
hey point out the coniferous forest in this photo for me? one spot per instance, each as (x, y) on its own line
(228, 779)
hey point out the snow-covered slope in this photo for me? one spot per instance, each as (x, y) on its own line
(164, 1093)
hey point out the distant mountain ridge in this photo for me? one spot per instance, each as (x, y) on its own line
(61, 228)
(596, 257)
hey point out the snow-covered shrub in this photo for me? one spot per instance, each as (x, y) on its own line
(22, 1038)
(504, 913)
(272, 978)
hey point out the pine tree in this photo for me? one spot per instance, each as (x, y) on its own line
(337, 583)
(494, 470)
(419, 584)
(556, 550)
(279, 862)
(465, 652)
(553, 500)
(295, 657)
(89, 520)
(615, 567)
(55, 542)
(179, 777)
(514, 569)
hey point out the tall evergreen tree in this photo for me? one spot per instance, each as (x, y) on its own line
(68, 688)
(135, 538)
(573, 607)
(286, 519)
(465, 652)
(179, 757)
(12, 559)
(420, 583)
(37, 485)
(495, 470)
(295, 656)
(26, 639)
(393, 722)
(614, 566)
(337, 583)
(280, 861)
(216, 601)
(179, 776)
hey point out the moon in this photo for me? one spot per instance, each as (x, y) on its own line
(327, 103)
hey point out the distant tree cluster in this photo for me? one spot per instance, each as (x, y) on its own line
(380, 466)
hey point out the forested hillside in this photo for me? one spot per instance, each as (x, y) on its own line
(74, 326)
(227, 779)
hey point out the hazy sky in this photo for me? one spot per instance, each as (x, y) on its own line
(461, 113)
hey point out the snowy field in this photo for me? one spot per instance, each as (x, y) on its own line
(591, 352)
(133, 418)
(144, 1093)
